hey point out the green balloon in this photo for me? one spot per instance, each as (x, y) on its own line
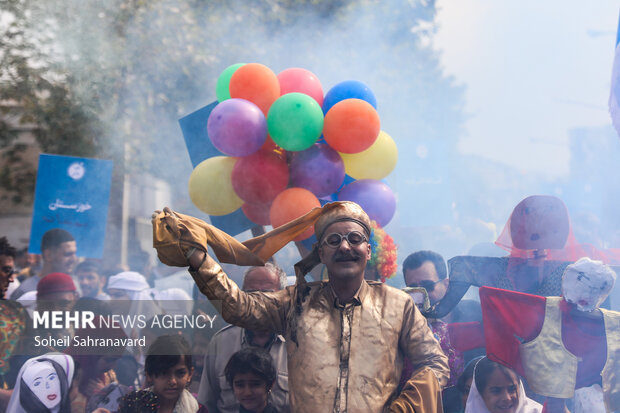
(295, 121)
(221, 88)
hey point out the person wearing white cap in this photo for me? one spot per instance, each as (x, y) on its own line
(128, 285)
(131, 295)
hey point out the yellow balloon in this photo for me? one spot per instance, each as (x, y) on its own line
(375, 162)
(210, 186)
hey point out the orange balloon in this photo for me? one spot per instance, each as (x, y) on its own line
(256, 83)
(290, 204)
(351, 126)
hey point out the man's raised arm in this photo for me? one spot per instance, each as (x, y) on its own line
(182, 240)
(254, 311)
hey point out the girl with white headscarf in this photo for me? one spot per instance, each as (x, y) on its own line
(43, 385)
(497, 388)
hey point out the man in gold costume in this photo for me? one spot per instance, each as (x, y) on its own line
(346, 338)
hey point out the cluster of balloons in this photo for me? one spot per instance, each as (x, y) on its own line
(289, 147)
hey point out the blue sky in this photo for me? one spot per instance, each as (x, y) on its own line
(533, 70)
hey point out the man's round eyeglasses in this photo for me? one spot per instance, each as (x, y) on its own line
(354, 238)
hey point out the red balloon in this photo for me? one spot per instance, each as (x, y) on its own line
(256, 83)
(351, 126)
(291, 204)
(260, 177)
(257, 213)
(300, 80)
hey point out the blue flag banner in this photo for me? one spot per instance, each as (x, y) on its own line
(199, 147)
(194, 128)
(614, 96)
(72, 194)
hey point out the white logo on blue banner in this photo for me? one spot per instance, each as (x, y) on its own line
(72, 194)
(76, 170)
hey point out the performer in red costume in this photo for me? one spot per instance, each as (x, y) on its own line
(564, 346)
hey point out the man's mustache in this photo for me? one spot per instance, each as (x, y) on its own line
(339, 257)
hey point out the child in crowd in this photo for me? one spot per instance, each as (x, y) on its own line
(496, 388)
(251, 374)
(168, 369)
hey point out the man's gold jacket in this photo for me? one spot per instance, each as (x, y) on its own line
(341, 358)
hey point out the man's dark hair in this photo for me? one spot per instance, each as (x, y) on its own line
(54, 237)
(6, 248)
(251, 360)
(415, 261)
(165, 353)
(88, 266)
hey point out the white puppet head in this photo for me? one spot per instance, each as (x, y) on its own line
(44, 384)
(587, 283)
(43, 380)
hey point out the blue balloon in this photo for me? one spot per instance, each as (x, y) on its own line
(375, 197)
(349, 89)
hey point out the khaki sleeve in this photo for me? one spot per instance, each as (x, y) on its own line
(253, 311)
(421, 394)
(420, 346)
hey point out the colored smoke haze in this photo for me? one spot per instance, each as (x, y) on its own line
(446, 201)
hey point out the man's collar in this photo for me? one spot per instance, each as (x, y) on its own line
(357, 298)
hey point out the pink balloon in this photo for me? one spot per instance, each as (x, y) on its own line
(301, 80)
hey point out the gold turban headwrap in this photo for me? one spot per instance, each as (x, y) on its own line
(342, 211)
(175, 234)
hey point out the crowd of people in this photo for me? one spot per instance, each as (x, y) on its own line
(344, 343)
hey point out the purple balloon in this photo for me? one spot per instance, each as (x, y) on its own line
(237, 127)
(375, 197)
(319, 169)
